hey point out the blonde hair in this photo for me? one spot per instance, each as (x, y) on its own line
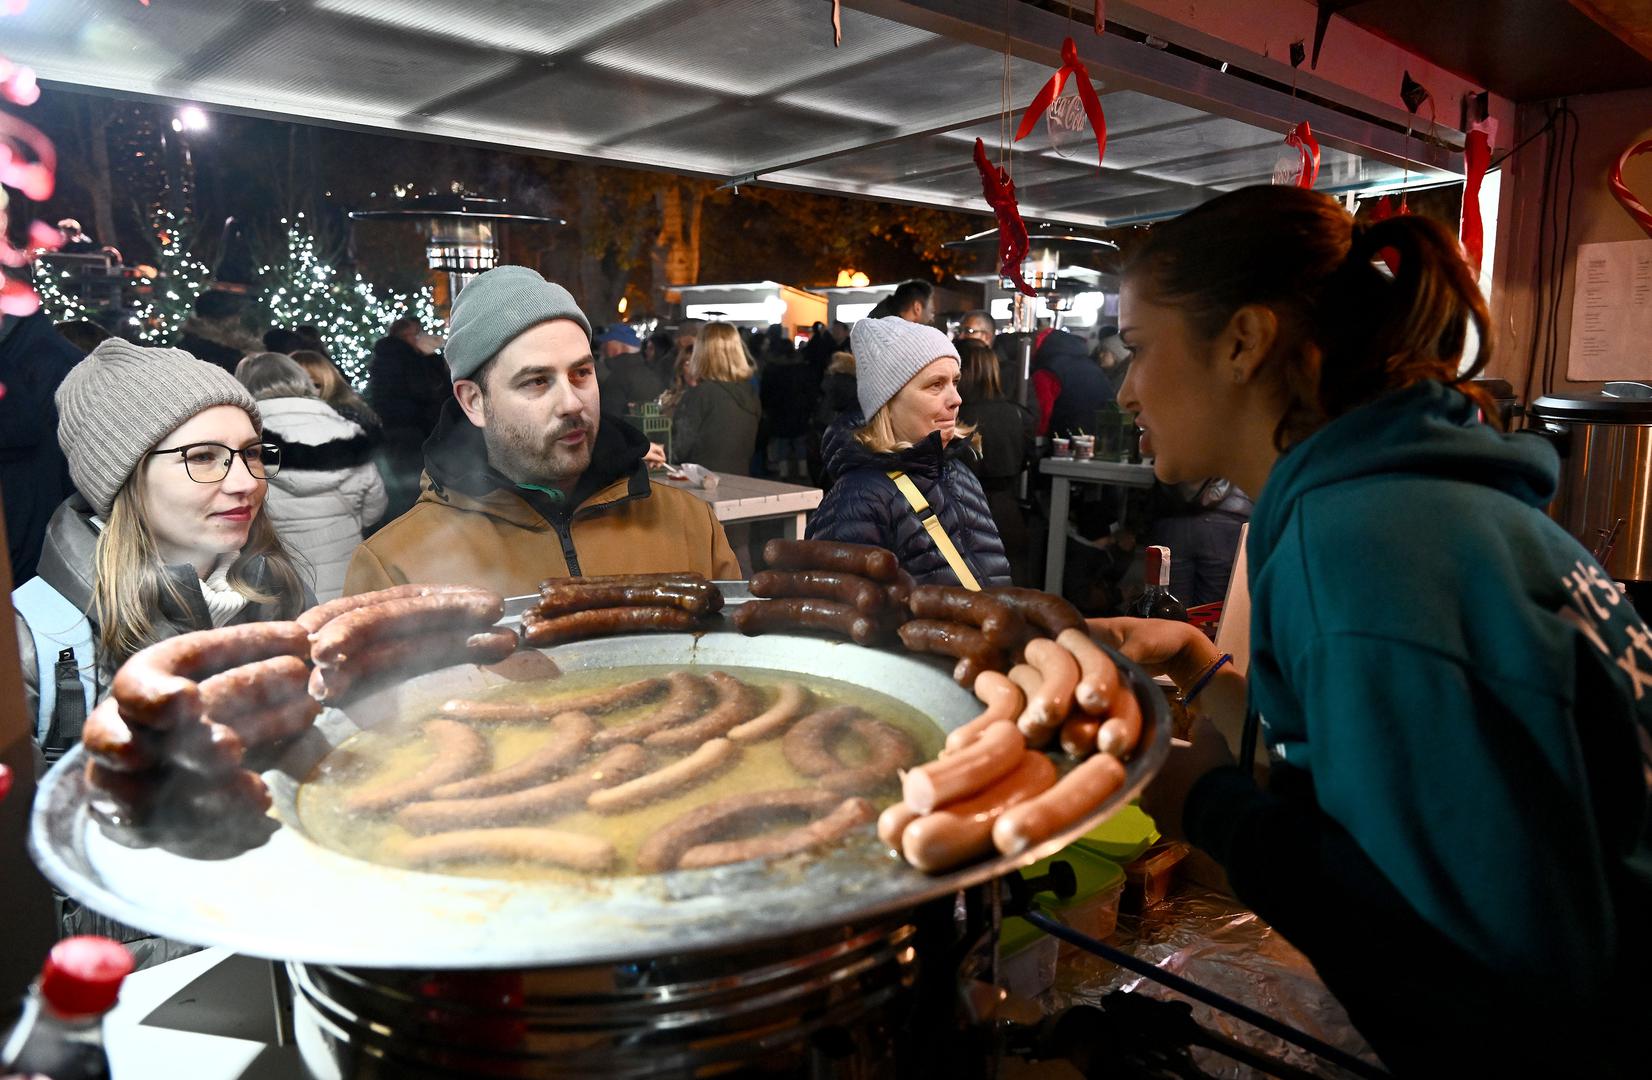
(878, 434)
(720, 354)
(333, 388)
(131, 581)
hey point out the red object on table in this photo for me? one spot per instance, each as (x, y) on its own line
(1013, 244)
(1073, 66)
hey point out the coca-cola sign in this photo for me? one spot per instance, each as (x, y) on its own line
(1066, 124)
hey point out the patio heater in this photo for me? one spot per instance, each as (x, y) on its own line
(463, 233)
(1059, 266)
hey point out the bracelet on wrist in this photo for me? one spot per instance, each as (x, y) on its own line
(1204, 678)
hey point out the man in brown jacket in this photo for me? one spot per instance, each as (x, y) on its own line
(524, 477)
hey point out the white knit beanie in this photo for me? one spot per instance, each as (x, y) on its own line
(115, 405)
(888, 353)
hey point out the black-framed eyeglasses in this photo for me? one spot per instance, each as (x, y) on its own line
(210, 462)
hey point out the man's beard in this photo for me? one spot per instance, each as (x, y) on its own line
(529, 455)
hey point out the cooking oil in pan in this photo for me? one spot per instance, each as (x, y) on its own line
(399, 749)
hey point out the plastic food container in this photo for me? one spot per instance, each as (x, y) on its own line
(1028, 956)
(1151, 876)
(1122, 838)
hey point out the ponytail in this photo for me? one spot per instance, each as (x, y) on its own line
(1350, 330)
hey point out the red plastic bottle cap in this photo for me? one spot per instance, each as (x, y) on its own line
(82, 975)
(5, 780)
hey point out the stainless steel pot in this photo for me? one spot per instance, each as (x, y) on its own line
(1605, 496)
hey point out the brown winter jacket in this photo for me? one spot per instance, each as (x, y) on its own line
(472, 526)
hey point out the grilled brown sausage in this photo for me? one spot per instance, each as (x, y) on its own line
(736, 704)
(780, 616)
(401, 657)
(716, 820)
(1045, 611)
(789, 703)
(688, 699)
(698, 767)
(205, 746)
(277, 721)
(974, 653)
(540, 801)
(848, 816)
(861, 593)
(808, 747)
(592, 704)
(570, 734)
(114, 744)
(156, 687)
(320, 615)
(257, 685)
(357, 632)
(601, 622)
(580, 594)
(899, 591)
(552, 847)
(998, 622)
(876, 563)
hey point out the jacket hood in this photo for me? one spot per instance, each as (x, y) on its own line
(843, 453)
(225, 332)
(1426, 431)
(1060, 343)
(456, 463)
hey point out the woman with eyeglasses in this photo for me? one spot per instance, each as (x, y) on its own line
(165, 534)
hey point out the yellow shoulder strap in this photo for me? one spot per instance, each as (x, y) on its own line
(932, 525)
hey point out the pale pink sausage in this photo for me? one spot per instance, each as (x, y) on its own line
(1058, 673)
(1074, 797)
(1121, 731)
(1003, 700)
(701, 765)
(962, 831)
(960, 774)
(1098, 675)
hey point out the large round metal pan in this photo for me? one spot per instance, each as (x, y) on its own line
(293, 899)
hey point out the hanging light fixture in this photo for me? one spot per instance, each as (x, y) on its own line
(463, 233)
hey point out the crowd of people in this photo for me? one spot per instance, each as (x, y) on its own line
(1454, 827)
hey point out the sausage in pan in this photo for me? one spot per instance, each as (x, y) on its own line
(783, 616)
(848, 816)
(701, 765)
(257, 685)
(1121, 731)
(789, 703)
(592, 704)
(893, 821)
(458, 752)
(966, 771)
(357, 632)
(1049, 705)
(401, 657)
(736, 704)
(974, 653)
(716, 820)
(570, 734)
(320, 615)
(1045, 611)
(962, 831)
(876, 563)
(998, 622)
(1003, 700)
(155, 687)
(1098, 675)
(576, 594)
(1074, 797)
(686, 700)
(579, 625)
(1078, 734)
(551, 847)
(888, 750)
(530, 804)
(862, 594)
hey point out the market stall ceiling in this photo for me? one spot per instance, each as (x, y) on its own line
(725, 88)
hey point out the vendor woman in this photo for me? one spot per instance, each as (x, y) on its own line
(1453, 694)
(901, 460)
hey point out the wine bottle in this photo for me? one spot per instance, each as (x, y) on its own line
(1156, 601)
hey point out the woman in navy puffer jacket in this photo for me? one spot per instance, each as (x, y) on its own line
(907, 383)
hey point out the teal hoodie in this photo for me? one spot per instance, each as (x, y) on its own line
(1456, 702)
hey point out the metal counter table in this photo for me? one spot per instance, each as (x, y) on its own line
(1062, 473)
(746, 498)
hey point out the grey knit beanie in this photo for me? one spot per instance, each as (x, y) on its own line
(888, 352)
(496, 307)
(115, 406)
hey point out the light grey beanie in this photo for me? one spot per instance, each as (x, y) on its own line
(496, 307)
(115, 406)
(888, 352)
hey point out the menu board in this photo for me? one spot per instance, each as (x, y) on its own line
(1612, 312)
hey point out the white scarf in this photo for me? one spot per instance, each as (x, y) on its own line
(222, 600)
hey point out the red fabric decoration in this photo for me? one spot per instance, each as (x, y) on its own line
(1070, 65)
(1476, 159)
(1621, 192)
(1302, 137)
(1012, 231)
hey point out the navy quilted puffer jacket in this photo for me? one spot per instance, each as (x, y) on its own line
(865, 507)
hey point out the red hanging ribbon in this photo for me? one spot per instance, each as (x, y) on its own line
(1476, 159)
(1620, 191)
(1070, 65)
(1013, 244)
(1101, 16)
(1302, 137)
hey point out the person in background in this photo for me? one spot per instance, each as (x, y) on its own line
(914, 301)
(906, 423)
(166, 532)
(1005, 431)
(977, 326)
(682, 365)
(327, 491)
(83, 334)
(1200, 521)
(838, 395)
(715, 423)
(789, 391)
(34, 475)
(528, 479)
(333, 388)
(624, 374)
(280, 339)
(215, 332)
(309, 339)
(406, 386)
(1071, 388)
(1456, 822)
